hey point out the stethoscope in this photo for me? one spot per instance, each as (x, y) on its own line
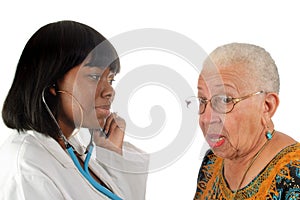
(70, 149)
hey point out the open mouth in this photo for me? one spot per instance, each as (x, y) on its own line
(215, 140)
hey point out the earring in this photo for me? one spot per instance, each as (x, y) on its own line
(269, 134)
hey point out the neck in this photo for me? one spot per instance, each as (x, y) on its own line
(61, 143)
(241, 166)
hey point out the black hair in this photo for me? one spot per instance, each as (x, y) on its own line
(48, 55)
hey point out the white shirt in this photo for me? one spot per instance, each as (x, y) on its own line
(35, 167)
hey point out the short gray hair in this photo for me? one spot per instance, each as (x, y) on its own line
(256, 60)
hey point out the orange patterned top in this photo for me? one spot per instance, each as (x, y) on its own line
(280, 179)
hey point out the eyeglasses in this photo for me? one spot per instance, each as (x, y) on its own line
(222, 104)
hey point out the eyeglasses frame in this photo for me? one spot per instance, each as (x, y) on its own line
(234, 101)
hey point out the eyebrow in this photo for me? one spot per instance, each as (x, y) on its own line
(220, 85)
(91, 65)
(230, 87)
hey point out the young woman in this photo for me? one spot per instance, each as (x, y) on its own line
(62, 91)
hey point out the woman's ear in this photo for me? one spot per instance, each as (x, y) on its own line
(270, 104)
(53, 89)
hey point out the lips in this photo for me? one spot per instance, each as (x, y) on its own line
(215, 140)
(103, 110)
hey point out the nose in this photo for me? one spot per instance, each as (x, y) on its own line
(104, 89)
(209, 116)
(107, 91)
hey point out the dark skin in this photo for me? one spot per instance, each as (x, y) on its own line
(85, 94)
(239, 134)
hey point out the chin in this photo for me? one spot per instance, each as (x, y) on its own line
(95, 124)
(101, 122)
(219, 153)
(225, 154)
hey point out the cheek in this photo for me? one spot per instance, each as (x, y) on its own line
(66, 107)
(242, 124)
(86, 99)
(66, 111)
(233, 124)
(87, 104)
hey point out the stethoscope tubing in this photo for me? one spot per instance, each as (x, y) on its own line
(86, 174)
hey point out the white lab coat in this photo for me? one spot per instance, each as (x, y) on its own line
(35, 167)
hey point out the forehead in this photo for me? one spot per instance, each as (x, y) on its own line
(233, 77)
(86, 69)
(89, 65)
(102, 62)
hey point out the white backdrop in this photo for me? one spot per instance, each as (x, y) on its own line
(273, 25)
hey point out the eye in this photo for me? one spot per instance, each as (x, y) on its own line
(110, 81)
(110, 77)
(95, 77)
(225, 99)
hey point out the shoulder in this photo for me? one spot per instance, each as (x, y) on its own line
(287, 157)
(24, 142)
(288, 154)
(24, 151)
(16, 145)
(286, 166)
(15, 157)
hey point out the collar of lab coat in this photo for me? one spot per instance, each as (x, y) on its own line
(54, 149)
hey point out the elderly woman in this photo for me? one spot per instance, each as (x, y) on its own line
(238, 96)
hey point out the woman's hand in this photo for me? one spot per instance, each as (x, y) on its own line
(112, 135)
